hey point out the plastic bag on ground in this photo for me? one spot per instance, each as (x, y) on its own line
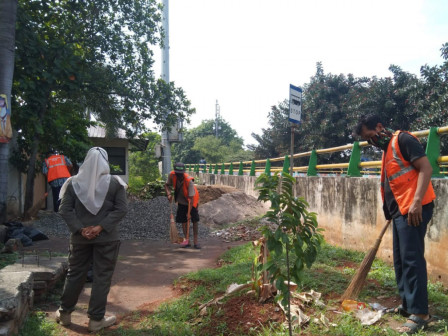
(367, 316)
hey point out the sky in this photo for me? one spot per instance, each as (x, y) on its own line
(245, 53)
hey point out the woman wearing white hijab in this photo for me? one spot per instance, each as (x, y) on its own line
(92, 204)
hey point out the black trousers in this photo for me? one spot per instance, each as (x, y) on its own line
(56, 200)
(410, 263)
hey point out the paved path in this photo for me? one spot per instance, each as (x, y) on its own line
(144, 275)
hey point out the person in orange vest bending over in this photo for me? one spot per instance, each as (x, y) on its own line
(186, 195)
(408, 198)
(56, 168)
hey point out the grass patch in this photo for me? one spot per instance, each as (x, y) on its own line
(7, 258)
(330, 275)
(38, 325)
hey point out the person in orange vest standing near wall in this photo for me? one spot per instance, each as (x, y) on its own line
(187, 197)
(57, 169)
(408, 198)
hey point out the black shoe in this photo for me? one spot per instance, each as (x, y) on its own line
(197, 246)
(185, 246)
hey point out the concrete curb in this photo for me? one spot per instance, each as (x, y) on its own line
(30, 276)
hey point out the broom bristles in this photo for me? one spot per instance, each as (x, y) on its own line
(360, 276)
(174, 235)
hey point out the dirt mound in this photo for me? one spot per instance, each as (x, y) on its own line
(230, 208)
(209, 193)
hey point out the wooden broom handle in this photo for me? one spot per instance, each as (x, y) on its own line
(380, 237)
(189, 208)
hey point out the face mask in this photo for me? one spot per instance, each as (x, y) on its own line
(381, 139)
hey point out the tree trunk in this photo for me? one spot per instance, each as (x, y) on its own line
(8, 8)
(29, 189)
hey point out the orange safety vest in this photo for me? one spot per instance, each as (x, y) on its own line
(186, 184)
(57, 168)
(402, 177)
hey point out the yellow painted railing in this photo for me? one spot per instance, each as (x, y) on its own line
(353, 168)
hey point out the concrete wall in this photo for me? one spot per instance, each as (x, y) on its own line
(17, 182)
(350, 211)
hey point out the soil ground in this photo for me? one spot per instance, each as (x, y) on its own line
(210, 193)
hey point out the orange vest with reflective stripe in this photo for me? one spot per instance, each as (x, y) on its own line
(402, 176)
(57, 167)
(186, 184)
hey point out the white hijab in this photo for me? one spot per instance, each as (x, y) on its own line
(92, 181)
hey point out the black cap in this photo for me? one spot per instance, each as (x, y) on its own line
(179, 167)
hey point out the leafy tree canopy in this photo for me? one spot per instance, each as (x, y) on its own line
(430, 101)
(143, 165)
(333, 104)
(201, 142)
(77, 59)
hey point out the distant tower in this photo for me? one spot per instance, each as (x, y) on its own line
(217, 117)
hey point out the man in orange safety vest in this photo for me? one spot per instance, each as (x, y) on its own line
(187, 197)
(408, 198)
(56, 167)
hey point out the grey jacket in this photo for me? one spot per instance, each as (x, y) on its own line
(78, 217)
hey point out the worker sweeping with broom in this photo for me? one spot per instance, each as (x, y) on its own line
(187, 197)
(408, 200)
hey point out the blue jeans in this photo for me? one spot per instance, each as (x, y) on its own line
(410, 263)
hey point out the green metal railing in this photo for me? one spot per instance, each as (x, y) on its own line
(352, 168)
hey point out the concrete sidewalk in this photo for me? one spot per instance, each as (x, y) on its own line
(144, 275)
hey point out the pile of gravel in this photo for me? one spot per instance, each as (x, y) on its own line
(148, 220)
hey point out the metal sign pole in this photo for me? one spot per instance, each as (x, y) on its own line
(291, 157)
(295, 117)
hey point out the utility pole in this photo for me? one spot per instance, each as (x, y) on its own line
(217, 117)
(166, 145)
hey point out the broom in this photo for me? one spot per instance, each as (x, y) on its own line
(359, 278)
(174, 235)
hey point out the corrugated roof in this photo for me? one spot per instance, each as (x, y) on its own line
(100, 132)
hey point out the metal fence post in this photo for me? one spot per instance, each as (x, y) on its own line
(286, 165)
(240, 169)
(252, 169)
(433, 151)
(353, 165)
(267, 169)
(312, 171)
